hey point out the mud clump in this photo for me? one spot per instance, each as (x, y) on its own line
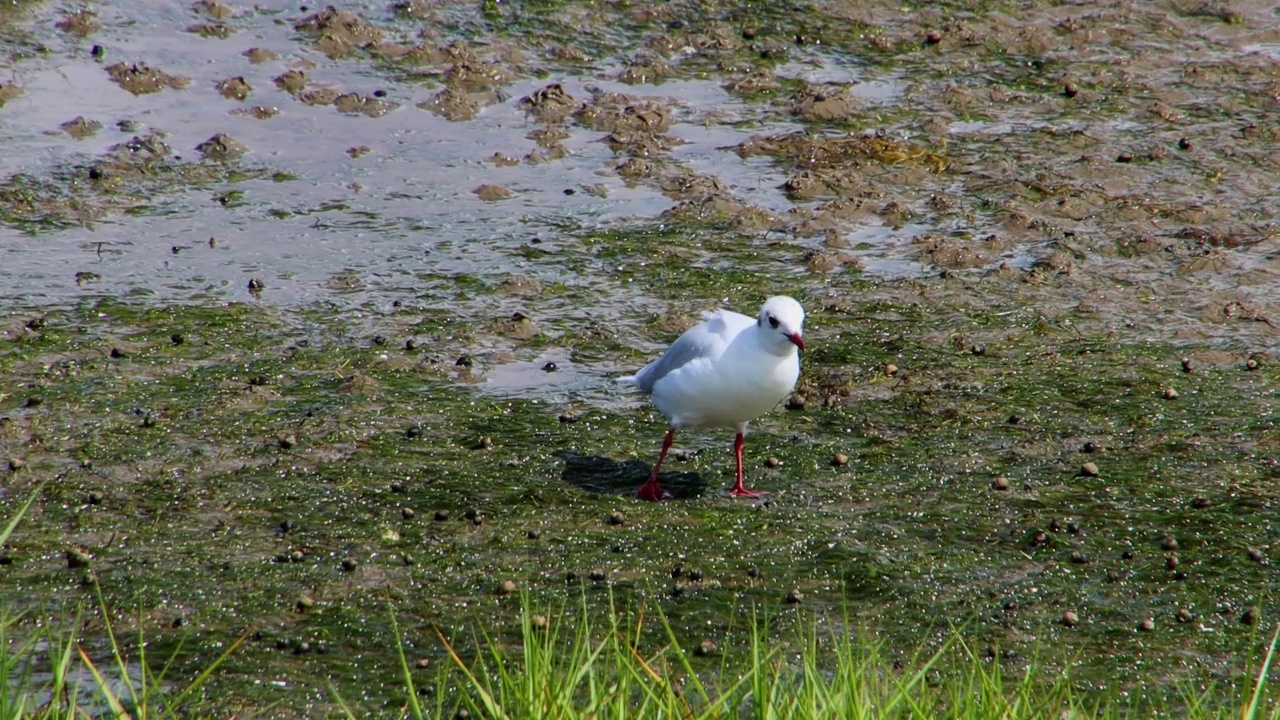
(492, 193)
(260, 55)
(550, 104)
(8, 91)
(213, 9)
(824, 103)
(338, 33)
(142, 79)
(222, 148)
(211, 30)
(81, 23)
(292, 81)
(235, 88)
(261, 112)
(456, 105)
(319, 96)
(81, 127)
(357, 104)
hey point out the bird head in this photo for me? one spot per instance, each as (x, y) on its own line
(782, 324)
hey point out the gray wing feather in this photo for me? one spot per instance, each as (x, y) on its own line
(684, 350)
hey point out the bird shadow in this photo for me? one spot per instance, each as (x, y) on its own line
(603, 476)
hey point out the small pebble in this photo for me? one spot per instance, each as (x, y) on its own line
(1185, 615)
(1089, 447)
(568, 418)
(1089, 469)
(1147, 625)
(1079, 558)
(464, 361)
(533, 534)
(422, 663)
(17, 463)
(695, 575)
(794, 597)
(1249, 617)
(753, 573)
(677, 571)
(177, 339)
(407, 513)
(1184, 144)
(348, 565)
(705, 648)
(772, 462)
(597, 575)
(1170, 394)
(297, 556)
(1070, 618)
(287, 526)
(1073, 528)
(1168, 542)
(1001, 483)
(484, 443)
(933, 37)
(1124, 157)
(1127, 555)
(840, 460)
(617, 518)
(96, 497)
(410, 344)
(441, 515)
(1055, 526)
(1251, 364)
(1070, 89)
(550, 367)
(1200, 503)
(397, 487)
(506, 587)
(477, 519)
(978, 349)
(1256, 555)
(117, 353)
(1186, 365)
(1113, 576)
(796, 402)
(1040, 538)
(256, 285)
(304, 603)
(890, 369)
(1171, 562)
(539, 621)
(413, 432)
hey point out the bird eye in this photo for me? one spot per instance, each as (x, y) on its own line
(773, 322)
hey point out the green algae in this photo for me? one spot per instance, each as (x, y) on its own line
(240, 468)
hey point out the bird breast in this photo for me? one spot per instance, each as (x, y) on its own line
(727, 391)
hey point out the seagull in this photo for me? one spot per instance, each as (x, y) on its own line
(724, 372)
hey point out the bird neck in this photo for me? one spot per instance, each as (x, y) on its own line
(773, 342)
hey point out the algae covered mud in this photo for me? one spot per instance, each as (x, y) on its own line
(311, 316)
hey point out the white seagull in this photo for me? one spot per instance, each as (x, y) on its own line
(724, 373)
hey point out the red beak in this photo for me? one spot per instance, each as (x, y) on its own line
(795, 338)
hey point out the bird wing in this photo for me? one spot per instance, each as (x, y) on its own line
(705, 341)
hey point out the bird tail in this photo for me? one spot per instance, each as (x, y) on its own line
(626, 380)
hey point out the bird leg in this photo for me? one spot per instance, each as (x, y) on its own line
(651, 490)
(738, 489)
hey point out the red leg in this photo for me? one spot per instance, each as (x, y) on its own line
(651, 490)
(738, 489)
